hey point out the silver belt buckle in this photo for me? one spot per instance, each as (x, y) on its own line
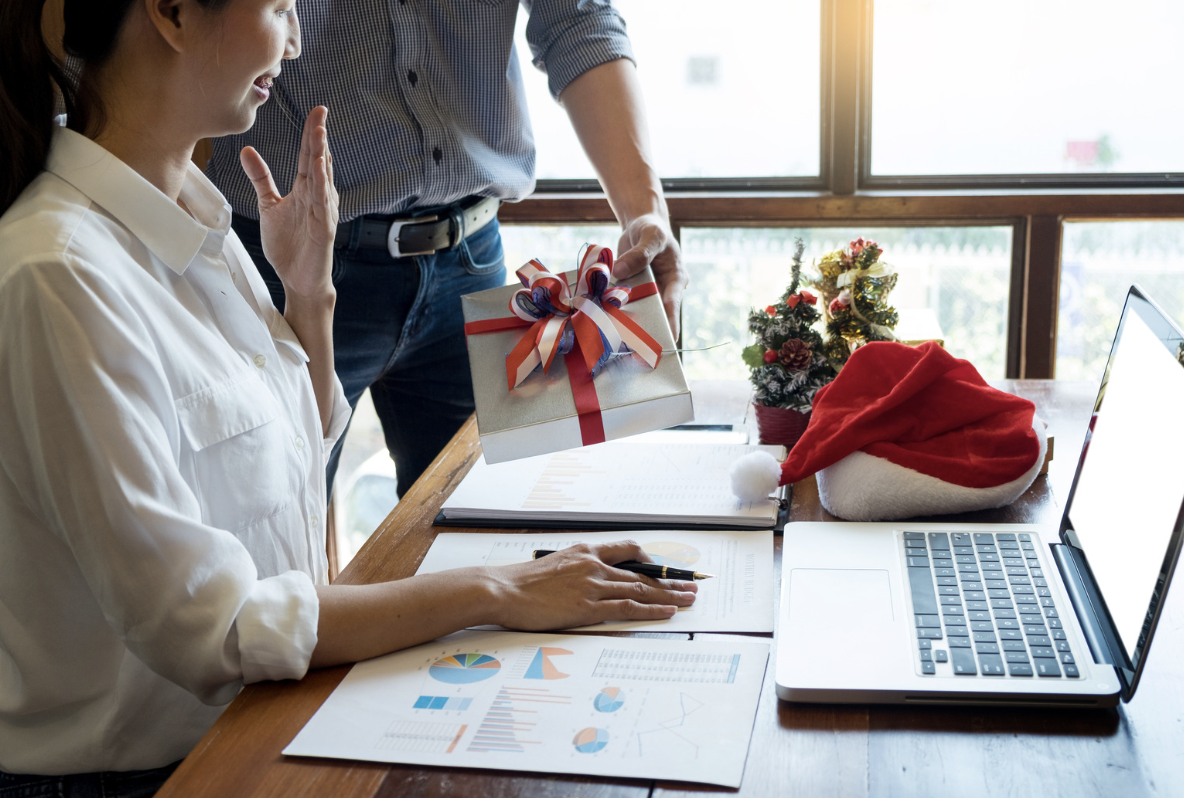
(392, 237)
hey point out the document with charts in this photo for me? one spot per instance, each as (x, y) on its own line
(738, 599)
(637, 485)
(585, 704)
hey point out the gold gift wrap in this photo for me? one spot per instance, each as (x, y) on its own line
(539, 416)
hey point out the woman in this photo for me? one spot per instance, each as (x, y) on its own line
(163, 427)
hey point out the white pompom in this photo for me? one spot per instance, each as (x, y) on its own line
(755, 476)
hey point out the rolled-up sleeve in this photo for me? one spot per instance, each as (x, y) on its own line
(91, 446)
(569, 37)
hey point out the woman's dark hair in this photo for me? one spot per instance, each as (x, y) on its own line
(29, 74)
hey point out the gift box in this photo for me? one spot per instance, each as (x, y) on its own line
(571, 359)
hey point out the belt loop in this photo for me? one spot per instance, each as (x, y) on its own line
(355, 234)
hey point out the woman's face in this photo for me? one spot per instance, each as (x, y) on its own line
(239, 59)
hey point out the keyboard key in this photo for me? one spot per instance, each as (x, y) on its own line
(1043, 652)
(1010, 634)
(1040, 582)
(984, 538)
(1071, 670)
(1012, 570)
(1031, 620)
(1061, 645)
(940, 562)
(1004, 536)
(1035, 630)
(951, 609)
(981, 615)
(1002, 604)
(949, 600)
(986, 648)
(915, 544)
(954, 620)
(963, 550)
(963, 662)
(996, 584)
(984, 637)
(976, 605)
(1019, 580)
(1054, 623)
(918, 562)
(1047, 602)
(947, 580)
(1047, 667)
(991, 566)
(956, 631)
(1012, 645)
(1058, 634)
(1023, 590)
(972, 586)
(1067, 659)
(1013, 562)
(1037, 572)
(974, 595)
(984, 626)
(927, 621)
(939, 540)
(941, 656)
(1032, 600)
(965, 558)
(1041, 640)
(1022, 536)
(1004, 613)
(1049, 612)
(959, 642)
(914, 535)
(999, 593)
(1027, 545)
(967, 567)
(924, 645)
(1007, 623)
(927, 656)
(932, 634)
(992, 664)
(988, 557)
(924, 599)
(940, 572)
(1010, 656)
(928, 668)
(947, 590)
(960, 538)
(1019, 669)
(1043, 591)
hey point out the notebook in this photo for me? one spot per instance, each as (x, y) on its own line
(613, 485)
(997, 613)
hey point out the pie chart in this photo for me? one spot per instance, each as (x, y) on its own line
(464, 668)
(610, 699)
(590, 740)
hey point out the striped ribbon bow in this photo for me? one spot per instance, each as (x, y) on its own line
(591, 318)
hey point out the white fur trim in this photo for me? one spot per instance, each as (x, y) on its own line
(861, 487)
(755, 476)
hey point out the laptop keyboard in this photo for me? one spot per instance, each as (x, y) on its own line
(981, 604)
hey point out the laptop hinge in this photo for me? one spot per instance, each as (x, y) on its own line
(1071, 576)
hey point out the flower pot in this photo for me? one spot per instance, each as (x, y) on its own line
(780, 425)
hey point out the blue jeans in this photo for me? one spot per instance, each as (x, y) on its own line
(126, 784)
(398, 331)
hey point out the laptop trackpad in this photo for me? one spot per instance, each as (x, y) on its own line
(856, 600)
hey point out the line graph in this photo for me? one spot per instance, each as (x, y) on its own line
(687, 705)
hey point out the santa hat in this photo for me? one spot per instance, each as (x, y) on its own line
(906, 431)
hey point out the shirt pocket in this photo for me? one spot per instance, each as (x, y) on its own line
(240, 466)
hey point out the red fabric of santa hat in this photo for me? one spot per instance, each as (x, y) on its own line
(906, 431)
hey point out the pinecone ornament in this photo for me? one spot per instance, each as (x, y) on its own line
(795, 355)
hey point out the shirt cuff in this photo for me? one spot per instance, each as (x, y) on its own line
(584, 43)
(277, 628)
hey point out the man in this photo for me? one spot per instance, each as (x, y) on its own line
(429, 128)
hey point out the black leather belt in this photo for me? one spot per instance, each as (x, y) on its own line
(422, 234)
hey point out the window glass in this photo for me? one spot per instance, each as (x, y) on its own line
(1026, 86)
(730, 89)
(958, 275)
(1099, 261)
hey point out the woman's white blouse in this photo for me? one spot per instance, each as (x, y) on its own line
(162, 490)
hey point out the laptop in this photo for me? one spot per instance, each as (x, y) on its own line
(1007, 613)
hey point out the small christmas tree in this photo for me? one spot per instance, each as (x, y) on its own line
(854, 284)
(787, 361)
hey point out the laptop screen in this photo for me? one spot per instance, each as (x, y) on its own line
(1125, 505)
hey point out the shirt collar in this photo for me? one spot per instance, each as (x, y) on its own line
(171, 234)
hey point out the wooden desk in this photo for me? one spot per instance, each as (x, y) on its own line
(797, 749)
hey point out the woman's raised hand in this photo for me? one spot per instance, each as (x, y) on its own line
(298, 230)
(579, 586)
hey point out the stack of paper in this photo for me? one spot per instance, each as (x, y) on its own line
(617, 485)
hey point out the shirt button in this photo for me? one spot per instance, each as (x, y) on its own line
(437, 155)
(315, 521)
(412, 78)
(260, 361)
(300, 444)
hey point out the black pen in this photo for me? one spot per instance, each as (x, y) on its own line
(644, 568)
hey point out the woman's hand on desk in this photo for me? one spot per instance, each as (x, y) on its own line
(574, 587)
(579, 586)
